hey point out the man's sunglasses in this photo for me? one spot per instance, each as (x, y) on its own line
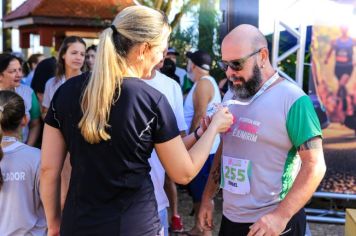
(237, 64)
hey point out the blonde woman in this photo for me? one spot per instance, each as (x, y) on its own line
(110, 124)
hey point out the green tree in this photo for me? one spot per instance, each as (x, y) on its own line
(207, 25)
(166, 7)
(183, 40)
(202, 35)
(209, 36)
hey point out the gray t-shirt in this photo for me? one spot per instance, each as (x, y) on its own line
(260, 159)
(20, 204)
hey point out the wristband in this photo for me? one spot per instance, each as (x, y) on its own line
(196, 133)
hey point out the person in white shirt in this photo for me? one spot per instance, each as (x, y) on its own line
(180, 72)
(172, 91)
(20, 204)
(200, 99)
(170, 88)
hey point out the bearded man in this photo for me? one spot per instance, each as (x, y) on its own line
(271, 161)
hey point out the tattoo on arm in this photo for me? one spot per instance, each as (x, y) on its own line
(313, 143)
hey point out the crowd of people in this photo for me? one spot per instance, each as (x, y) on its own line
(119, 125)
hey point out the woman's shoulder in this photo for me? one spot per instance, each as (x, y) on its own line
(137, 87)
(51, 82)
(24, 90)
(76, 83)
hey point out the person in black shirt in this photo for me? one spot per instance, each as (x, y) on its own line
(45, 70)
(110, 121)
(169, 69)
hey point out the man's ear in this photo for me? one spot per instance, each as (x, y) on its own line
(264, 55)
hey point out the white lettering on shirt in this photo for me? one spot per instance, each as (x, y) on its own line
(247, 129)
(14, 176)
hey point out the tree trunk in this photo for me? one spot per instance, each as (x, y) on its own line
(6, 33)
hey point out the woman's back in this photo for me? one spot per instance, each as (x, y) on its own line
(20, 205)
(110, 182)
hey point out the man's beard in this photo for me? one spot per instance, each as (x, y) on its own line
(246, 89)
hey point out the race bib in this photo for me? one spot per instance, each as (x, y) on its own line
(235, 175)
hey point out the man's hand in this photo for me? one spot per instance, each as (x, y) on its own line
(206, 211)
(271, 224)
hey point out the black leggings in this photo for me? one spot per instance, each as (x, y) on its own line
(295, 227)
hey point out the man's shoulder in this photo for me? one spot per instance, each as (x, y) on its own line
(206, 81)
(287, 93)
(290, 88)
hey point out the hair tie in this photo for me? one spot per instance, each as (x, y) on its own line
(116, 40)
(114, 30)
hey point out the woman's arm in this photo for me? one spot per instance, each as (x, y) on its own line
(190, 140)
(182, 165)
(34, 132)
(52, 159)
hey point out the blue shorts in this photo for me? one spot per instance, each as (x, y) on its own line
(197, 185)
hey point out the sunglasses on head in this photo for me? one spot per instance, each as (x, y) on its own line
(237, 64)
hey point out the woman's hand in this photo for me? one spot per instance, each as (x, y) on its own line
(204, 124)
(222, 120)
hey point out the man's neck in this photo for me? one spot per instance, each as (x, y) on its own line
(198, 76)
(266, 76)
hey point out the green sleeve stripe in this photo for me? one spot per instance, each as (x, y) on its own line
(35, 111)
(302, 122)
(287, 177)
